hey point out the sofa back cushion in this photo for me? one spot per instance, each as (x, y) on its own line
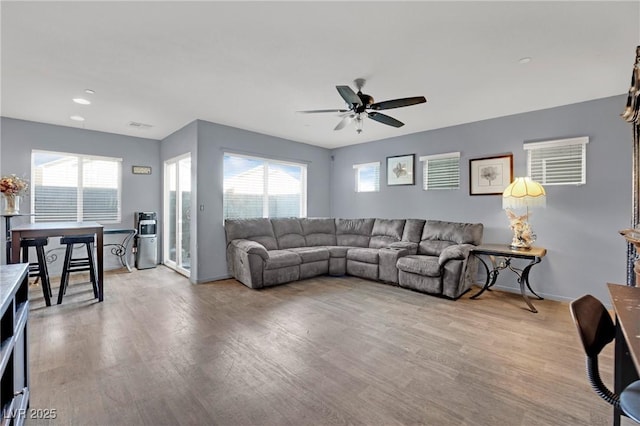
(437, 235)
(288, 232)
(354, 232)
(433, 247)
(413, 230)
(319, 231)
(385, 232)
(258, 230)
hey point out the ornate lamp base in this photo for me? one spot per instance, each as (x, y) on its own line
(523, 236)
(519, 245)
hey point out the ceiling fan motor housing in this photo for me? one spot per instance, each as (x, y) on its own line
(366, 102)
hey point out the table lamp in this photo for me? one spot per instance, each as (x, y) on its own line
(522, 192)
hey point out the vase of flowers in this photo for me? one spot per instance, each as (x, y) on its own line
(12, 187)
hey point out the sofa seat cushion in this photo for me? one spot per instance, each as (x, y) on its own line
(366, 255)
(311, 254)
(281, 259)
(420, 265)
(339, 251)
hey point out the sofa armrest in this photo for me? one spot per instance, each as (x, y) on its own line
(251, 247)
(455, 252)
(411, 248)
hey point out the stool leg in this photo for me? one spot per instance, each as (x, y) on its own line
(92, 270)
(25, 254)
(25, 259)
(46, 272)
(44, 275)
(64, 279)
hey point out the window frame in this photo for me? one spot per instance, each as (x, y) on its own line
(358, 168)
(267, 161)
(425, 160)
(530, 147)
(79, 184)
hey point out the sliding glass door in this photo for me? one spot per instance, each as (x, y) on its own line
(177, 214)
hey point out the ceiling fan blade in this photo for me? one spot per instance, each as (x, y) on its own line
(384, 119)
(397, 103)
(314, 111)
(349, 95)
(343, 123)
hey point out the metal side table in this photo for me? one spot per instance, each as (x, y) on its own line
(124, 248)
(492, 251)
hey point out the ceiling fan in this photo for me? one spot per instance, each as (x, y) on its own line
(361, 105)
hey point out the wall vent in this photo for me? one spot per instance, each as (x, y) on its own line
(137, 125)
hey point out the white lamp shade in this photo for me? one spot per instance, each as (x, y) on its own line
(523, 192)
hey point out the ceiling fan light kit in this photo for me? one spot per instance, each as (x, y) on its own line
(361, 104)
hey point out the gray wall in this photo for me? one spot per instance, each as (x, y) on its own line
(213, 141)
(580, 225)
(139, 192)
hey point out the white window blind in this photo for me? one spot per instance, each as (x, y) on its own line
(441, 171)
(558, 162)
(367, 177)
(259, 187)
(74, 187)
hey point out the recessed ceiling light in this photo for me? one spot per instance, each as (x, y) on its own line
(77, 118)
(524, 60)
(82, 101)
(89, 91)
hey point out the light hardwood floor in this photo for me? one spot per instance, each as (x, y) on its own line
(323, 351)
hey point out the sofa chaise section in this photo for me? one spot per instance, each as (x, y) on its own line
(314, 260)
(321, 232)
(375, 262)
(443, 264)
(253, 257)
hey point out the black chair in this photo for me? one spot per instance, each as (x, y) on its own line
(596, 330)
(80, 264)
(39, 268)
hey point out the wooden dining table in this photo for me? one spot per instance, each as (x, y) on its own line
(626, 305)
(59, 229)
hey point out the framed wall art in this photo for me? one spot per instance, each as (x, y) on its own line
(400, 170)
(141, 170)
(490, 175)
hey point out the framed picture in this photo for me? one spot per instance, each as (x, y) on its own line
(490, 175)
(141, 170)
(400, 170)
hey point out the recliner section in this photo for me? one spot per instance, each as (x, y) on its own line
(424, 255)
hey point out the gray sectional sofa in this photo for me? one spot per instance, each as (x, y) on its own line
(429, 256)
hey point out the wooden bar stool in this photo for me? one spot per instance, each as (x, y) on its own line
(39, 268)
(80, 264)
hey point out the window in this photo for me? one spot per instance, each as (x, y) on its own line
(558, 162)
(73, 187)
(258, 187)
(441, 171)
(367, 177)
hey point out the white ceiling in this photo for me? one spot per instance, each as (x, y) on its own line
(252, 65)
